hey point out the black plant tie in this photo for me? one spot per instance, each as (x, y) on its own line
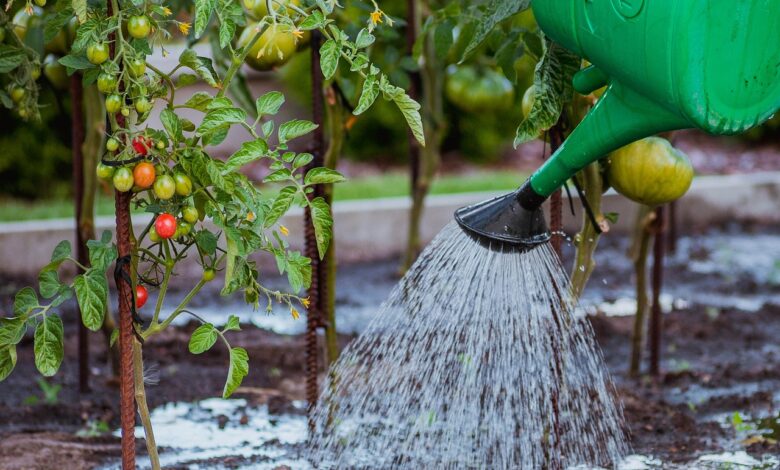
(586, 206)
(568, 196)
(118, 163)
(121, 275)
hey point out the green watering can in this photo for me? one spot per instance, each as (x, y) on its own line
(668, 64)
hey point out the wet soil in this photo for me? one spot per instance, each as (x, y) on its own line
(717, 360)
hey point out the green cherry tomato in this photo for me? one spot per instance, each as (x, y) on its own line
(184, 228)
(97, 52)
(17, 94)
(35, 72)
(164, 187)
(136, 67)
(113, 103)
(125, 111)
(139, 27)
(160, 144)
(106, 83)
(153, 236)
(55, 72)
(123, 179)
(190, 214)
(183, 184)
(104, 172)
(112, 144)
(143, 105)
(209, 275)
(40, 3)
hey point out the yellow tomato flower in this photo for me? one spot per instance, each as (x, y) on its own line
(297, 33)
(306, 302)
(167, 11)
(284, 230)
(185, 28)
(294, 313)
(376, 16)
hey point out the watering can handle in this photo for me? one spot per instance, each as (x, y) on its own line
(620, 117)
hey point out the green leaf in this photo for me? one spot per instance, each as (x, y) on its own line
(61, 252)
(250, 151)
(207, 242)
(92, 294)
(496, 12)
(221, 117)
(443, 39)
(200, 65)
(203, 10)
(76, 62)
(172, 124)
(278, 175)
(269, 103)
(239, 368)
(280, 205)
(298, 270)
(10, 58)
(199, 100)
(7, 361)
(323, 175)
(329, 58)
(203, 338)
(24, 301)
(114, 337)
(232, 324)
(54, 24)
(48, 283)
(294, 129)
(368, 95)
(315, 20)
(323, 224)
(552, 82)
(302, 160)
(364, 39)
(408, 107)
(227, 29)
(48, 347)
(12, 330)
(101, 253)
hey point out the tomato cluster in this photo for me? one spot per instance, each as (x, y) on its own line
(476, 90)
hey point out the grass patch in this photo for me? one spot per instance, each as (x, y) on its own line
(393, 184)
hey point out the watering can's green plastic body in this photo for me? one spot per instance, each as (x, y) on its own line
(669, 64)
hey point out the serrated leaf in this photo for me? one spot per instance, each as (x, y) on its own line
(48, 347)
(496, 11)
(80, 8)
(323, 224)
(408, 107)
(206, 241)
(368, 95)
(239, 368)
(233, 324)
(323, 175)
(302, 160)
(281, 205)
(10, 58)
(314, 21)
(200, 65)
(101, 253)
(172, 124)
(552, 82)
(7, 361)
(203, 338)
(203, 10)
(329, 58)
(250, 151)
(269, 103)
(199, 100)
(12, 330)
(24, 301)
(278, 175)
(298, 270)
(55, 23)
(227, 29)
(293, 129)
(92, 295)
(221, 117)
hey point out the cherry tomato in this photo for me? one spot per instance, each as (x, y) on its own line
(153, 236)
(104, 171)
(183, 229)
(183, 184)
(141, 296)
(113, 103)
(136, 67)
(190, 214)
(143, 105)
(40, 3)
(97, 52)
(165, 225)
(123, 179)
(17, 94)
(35, 72)
(143, 175)
(139, 27)
(55, 72)
(112, 145)
(106, 83)
(125, 111)
(160, 145)
(141, 144)
(209, 275)
(164, 187)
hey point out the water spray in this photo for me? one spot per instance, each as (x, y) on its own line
(667, 65)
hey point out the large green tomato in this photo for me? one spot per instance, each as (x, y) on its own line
(478, 90)
(277, 44)
(650, 171)
(259, 8)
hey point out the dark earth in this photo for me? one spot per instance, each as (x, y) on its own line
(718, 360)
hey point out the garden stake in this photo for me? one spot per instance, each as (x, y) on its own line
(671, 233)
(656, 316)
(678, 85)
(77, 139)
(317, 289)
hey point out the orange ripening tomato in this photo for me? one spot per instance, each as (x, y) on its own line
(144, 175)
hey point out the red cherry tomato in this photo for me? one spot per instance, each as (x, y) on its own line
(141, 296)
(165, 225)
(141, 144)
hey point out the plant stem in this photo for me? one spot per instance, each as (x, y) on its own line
(176, 312)
(640, 249)
(143, 407)
(587, 240)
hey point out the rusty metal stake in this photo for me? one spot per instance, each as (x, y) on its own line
(656, 316)
(672, 230)
(77, 140)
(318, 290)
